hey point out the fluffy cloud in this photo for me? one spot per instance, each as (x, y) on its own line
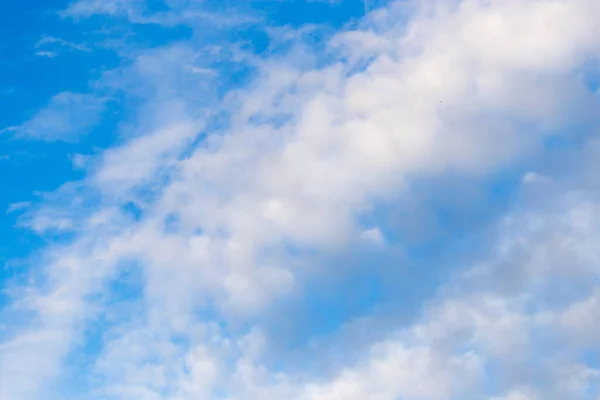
(327, 143)
(486, 325)
(418, 90)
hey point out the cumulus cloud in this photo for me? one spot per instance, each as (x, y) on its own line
(486, 325)
(232, 226)
(346, 141)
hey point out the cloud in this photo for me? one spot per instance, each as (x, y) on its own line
(171, 13)
(87, 8)
(66, 117)
(49, 46)
(482, 325)
(230, 226)
(369, 132)
(487, 321)
(49, 54)
(17, 206)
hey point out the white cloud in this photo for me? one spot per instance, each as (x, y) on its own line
(476, 328)
(451, 90)
(87, 8)
(374, 236)
(353, 139)
(414, 373)
(49, 54)
(517, 395)
(175, 13)
(66, 117)
(49, 46)
(17, 206)
(79, 160)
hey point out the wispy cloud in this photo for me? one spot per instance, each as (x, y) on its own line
(87, 8)
(172, 13)
(17, 206)
(49, 46)
(66, 117)
(49, 54)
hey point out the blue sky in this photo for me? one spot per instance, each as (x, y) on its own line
(299, 199)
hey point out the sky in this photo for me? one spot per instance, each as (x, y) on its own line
(299, 199)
